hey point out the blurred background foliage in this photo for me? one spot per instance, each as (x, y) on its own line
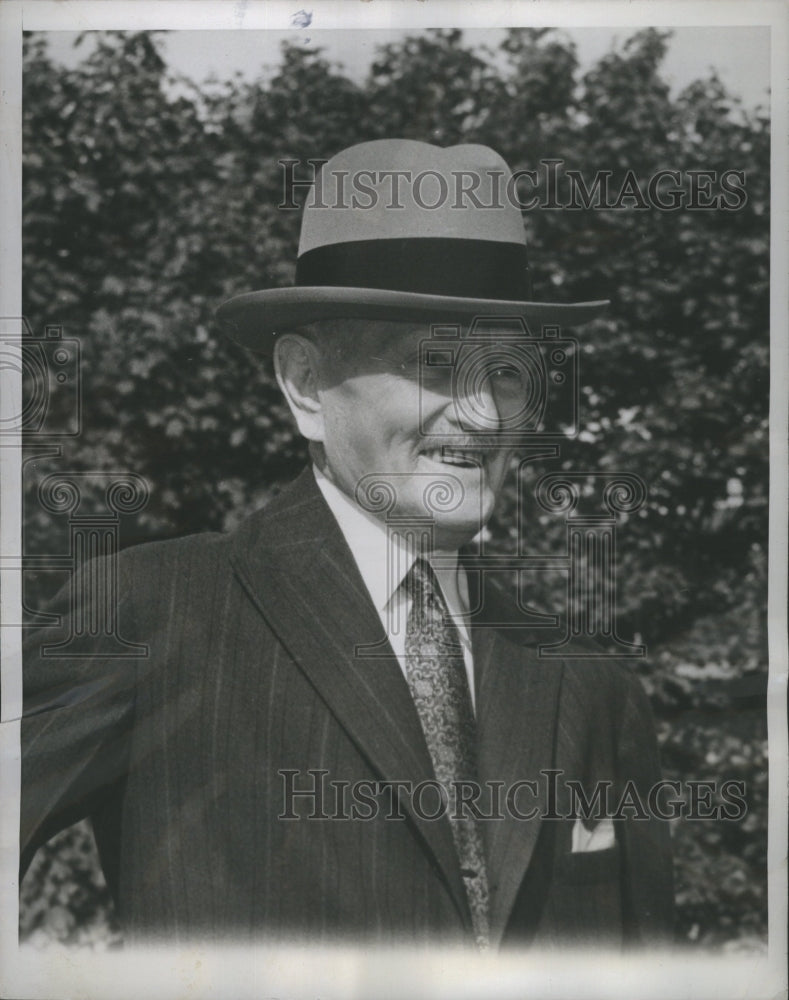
(149, 199)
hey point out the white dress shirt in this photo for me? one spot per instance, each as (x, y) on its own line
(384, 562)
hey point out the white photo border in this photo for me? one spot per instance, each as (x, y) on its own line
(237, 973)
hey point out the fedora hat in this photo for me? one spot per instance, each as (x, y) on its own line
(396, 229)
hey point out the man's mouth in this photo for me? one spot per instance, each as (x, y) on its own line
(464, 458)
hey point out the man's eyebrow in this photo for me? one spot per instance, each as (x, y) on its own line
(396, 352)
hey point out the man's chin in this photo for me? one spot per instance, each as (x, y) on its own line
(453, 534)
(453, 528)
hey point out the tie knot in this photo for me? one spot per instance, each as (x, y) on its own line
(429, 615)
(421, 577)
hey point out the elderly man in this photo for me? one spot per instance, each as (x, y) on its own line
(340, 731)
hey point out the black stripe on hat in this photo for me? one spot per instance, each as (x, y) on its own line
(477, 269)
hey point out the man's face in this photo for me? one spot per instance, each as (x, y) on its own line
(385, 424)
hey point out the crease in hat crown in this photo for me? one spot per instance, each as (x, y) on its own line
(404, 230)
(404, 198)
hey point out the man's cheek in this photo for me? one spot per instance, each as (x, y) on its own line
(499, 465)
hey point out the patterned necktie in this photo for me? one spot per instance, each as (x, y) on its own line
(437, 678)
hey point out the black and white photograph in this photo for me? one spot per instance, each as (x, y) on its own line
(394, 500)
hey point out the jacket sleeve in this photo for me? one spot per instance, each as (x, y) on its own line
(648, 900)
(79, 692)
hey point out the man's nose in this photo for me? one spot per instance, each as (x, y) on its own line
(474, 407)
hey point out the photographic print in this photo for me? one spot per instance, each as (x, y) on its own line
(394, 500)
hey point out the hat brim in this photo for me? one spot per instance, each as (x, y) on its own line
(254, 318)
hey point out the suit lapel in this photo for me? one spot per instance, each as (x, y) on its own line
(517, 703)
(298, 570)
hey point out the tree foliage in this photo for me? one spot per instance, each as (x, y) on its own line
(148, 200)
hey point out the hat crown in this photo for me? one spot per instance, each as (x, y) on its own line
(397, 229)
(405, 189)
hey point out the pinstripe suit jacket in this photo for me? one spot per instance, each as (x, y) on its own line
(250, 670)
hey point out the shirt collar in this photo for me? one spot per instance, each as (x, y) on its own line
(383, 562)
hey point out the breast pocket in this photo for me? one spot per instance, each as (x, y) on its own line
(588, 867)
(584, 907)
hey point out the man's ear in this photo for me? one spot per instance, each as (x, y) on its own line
(297, 366)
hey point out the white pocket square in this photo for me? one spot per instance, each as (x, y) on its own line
(600, 838)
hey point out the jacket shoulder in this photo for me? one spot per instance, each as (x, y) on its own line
(214, 547)
(147, 556)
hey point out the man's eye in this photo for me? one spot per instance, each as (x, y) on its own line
(407, 368)
(507, 372)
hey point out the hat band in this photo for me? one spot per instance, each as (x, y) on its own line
(476, 269)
